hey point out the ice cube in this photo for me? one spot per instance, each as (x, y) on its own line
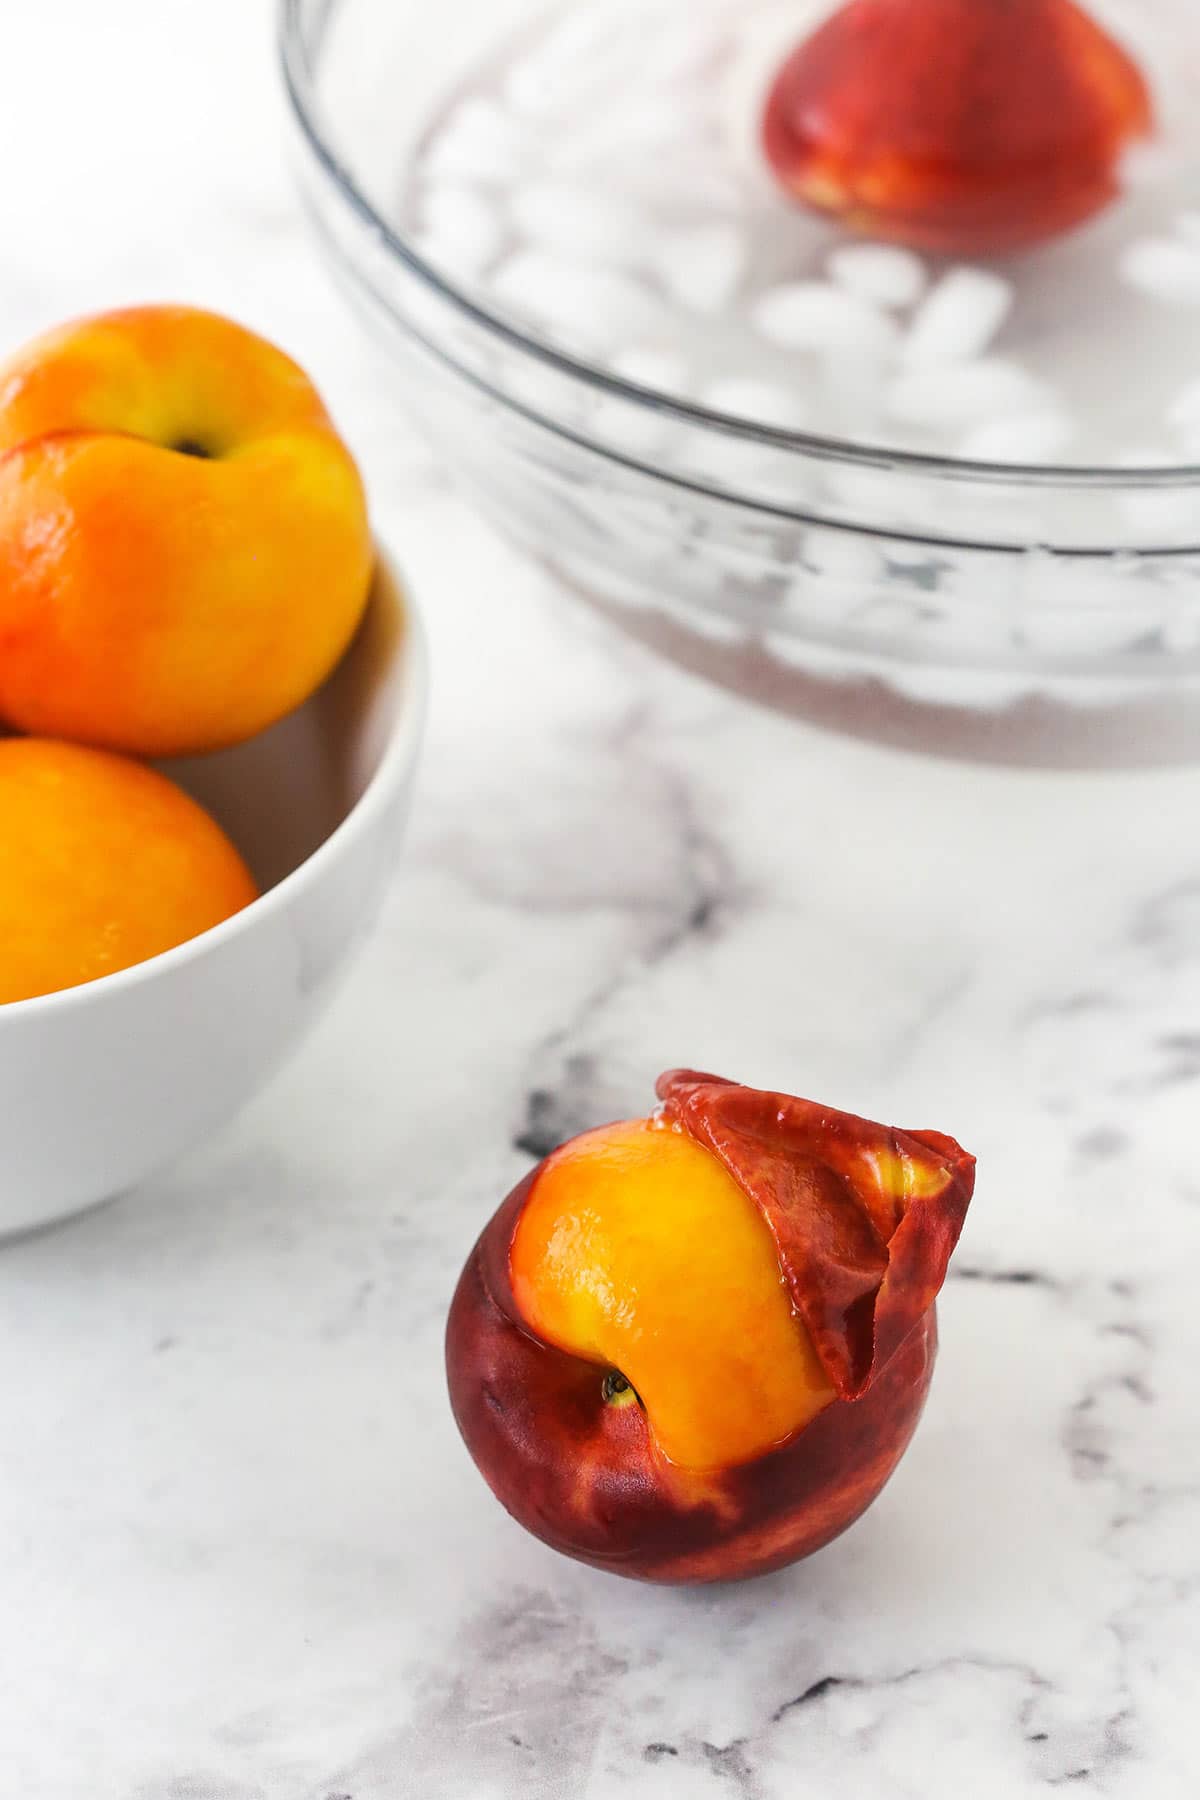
(882, 273)
(1166, 268)
(760, 402)
(959, 317)
(1184, 410)
(637, 426)
(577, 221)
(1170, 516)
(462, 228)
(703, 268)
(1143, 456)
(1035, 437)
(553, 74)
(1169, 513)
(630, 135)
(815, 315)
(585, 309)
(953, 396)
(661, 371)
(480, 140)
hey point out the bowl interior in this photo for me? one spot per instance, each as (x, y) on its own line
(775, 561)
(283, 794)
(368, 87)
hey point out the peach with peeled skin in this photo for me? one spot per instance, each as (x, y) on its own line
(695, 1347)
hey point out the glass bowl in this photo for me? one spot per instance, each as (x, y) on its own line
(1035, 613)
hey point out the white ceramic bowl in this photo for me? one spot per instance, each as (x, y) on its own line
(102, 1084)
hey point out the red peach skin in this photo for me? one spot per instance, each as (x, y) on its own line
(965, 127)
(864, 1221)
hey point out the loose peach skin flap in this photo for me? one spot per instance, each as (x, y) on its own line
(865, 1219)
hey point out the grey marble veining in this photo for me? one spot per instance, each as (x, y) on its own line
(242, 1553)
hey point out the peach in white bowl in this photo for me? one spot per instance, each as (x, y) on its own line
(102, 1084)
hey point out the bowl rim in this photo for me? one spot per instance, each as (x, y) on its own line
(300, 86)
(396, 763)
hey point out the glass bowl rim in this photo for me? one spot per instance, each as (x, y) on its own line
(300, 84)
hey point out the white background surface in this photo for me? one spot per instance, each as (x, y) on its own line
(242, 1554)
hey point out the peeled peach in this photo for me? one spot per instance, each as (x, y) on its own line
(184, 548)
(103, 864)
(695, 1347)
(967, 127)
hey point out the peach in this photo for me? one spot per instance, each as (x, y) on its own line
(695, 1347)
(184, 547)
(967, 127)
(103, 863)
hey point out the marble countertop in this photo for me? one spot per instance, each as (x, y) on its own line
(243, 1555)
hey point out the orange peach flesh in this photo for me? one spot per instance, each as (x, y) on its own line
(639, 1252)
